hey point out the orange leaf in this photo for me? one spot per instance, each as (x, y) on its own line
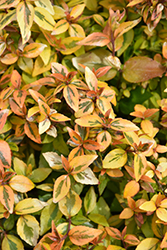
(16, 79)
(81, 235)
(5, 155)
(33, 50)
(3, 117)
(126, 213)
(80, 163)
(164, 50)
(131, 240)
(124, 125)
(104, 138)
(7, 197)
(9, 58)
(131, 188)
(31, 130)
(164, 241)
(20, 96)
(89, 121)
(114, 232)
(95, 39)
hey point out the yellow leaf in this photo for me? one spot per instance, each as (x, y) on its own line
(149, 244)
(59, 12)
(70, 204)
(140, 164)
(162, 214)
(148, 206)
(61, 187)
(113, 247)
(21, 183)
(33, 50)
(44, 19)
(46, 4)
(77, 11)
(71, 45)
(131, 188)
(76, 30)
(115, 159)
(60, 27)
(9, 58)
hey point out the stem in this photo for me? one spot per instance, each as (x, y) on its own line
(68, 229)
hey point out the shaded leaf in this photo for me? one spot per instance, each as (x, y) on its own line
(90, 200)
(140, 69)
(11, 242)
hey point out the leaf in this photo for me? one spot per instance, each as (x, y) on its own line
(95, 39)
(90, 200)
(125, 27)
(61, 188)
(131, 138)
(53, 159)
(59, 12)
(33, 50)
(9, 58)
(11, 242)
(71, 204)
(26, 64)
(98, 219)
(3, 117)
(113, 247)
(104, 139)
(149, 244)
(89, 121)
(114, 232)
(60, 27)
(28, 229)
(80, 163)
(148, 206)
(86, 107)
(131, 188)
(141, 68)
(71, 45)
(43, 18)
(39, 174)
(49, 213)
(164, 50)
(46, 4)
(20, 96)
(91, 79)
(7, 197)
(29, 206)
(44, 126)
(56, 117)
(8, 18)
(126, 213)
(123, 125)
(162, 214)
(134, 2)
(77, 11)
(81, 235)
(116, 158)
(5, 155)
(140, 164)
(25, 16)
(71, 96)
(86, 177)
(76, 30)
(164, 241)
(31, 130)
(21, 183)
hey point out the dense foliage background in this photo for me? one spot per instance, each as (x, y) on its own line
(83, 117)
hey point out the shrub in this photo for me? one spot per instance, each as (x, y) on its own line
(83, 119)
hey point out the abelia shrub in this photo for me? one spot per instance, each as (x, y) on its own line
(83, 117)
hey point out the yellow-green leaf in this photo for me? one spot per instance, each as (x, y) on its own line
(8, 18)
(70, 204)
(140, 164)
(43, 18)
(90, 200)
(71, 45)
(149, 244)
(26, 64)
(28, 229)
(46, 4)
(21, 183)
(11, 242)
(60, 27)
(29, 205)
(116, 158)
(59, 12)
(39, 174)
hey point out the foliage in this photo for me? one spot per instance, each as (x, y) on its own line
(83, 117)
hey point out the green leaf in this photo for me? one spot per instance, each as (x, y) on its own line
(29, 205)
(98, 219)
(90, 200)
(39, 174)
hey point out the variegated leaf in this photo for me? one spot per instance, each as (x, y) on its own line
(124, 125)
(140, 164)
(90, 200)
(71, 96)
(90, 121)
(61, 187)
(25, 16)
(9, 58)
(80, 163)
(60, 27)
(91, 79)
(86, 107)
(76, 30)
(7, 197)
(70, 204)
(116, 158)
(28, 229)
(43, 18)
(57, 117)
(11, 242)
(77, 11)
(104, 139)
(3, 117)
(86, 177)
(44, 126)
(21, 183)
(20, 96)
(46, 4)
(29, 206)
(95, 39)
(53, 159)
(5, 155)
(31, 130)
(81, 235)
(8, 18)
(33, 50)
